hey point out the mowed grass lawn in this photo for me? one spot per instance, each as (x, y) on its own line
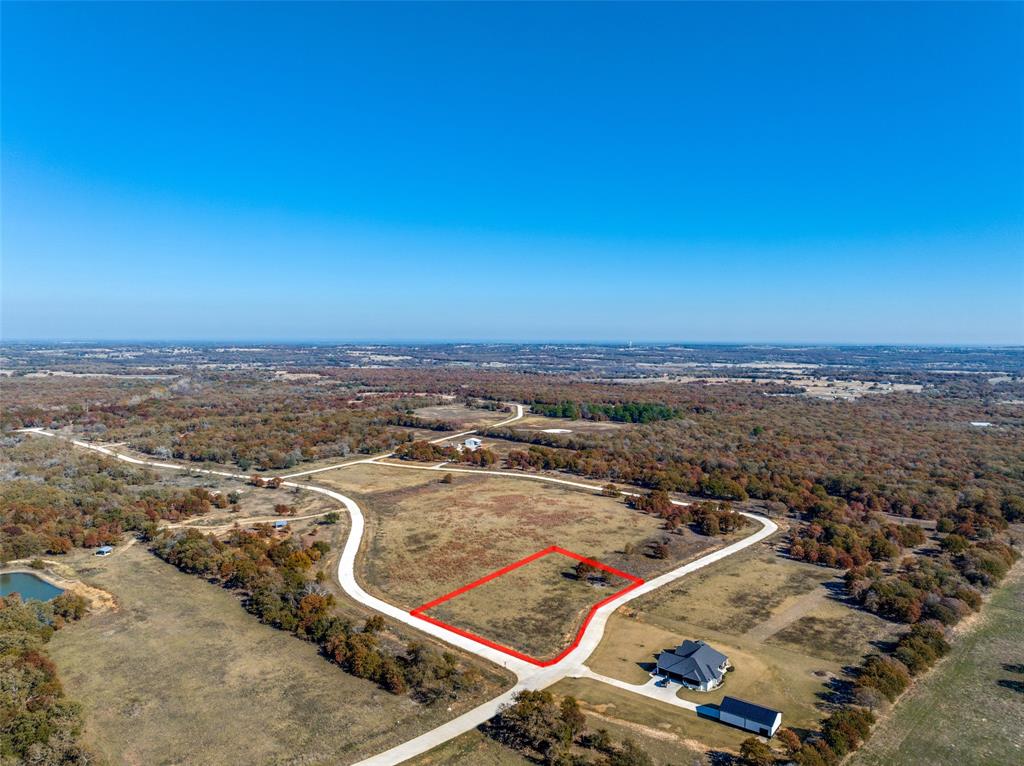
(772, 617)
(970, 708)
(181, 674)
(425, 539)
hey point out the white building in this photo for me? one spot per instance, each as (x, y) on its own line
(473, 443)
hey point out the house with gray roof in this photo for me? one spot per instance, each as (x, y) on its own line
(694, 664)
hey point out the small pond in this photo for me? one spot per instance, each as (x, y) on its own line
(28, 585)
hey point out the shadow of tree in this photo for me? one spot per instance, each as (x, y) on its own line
(838, 690)
(720, 758)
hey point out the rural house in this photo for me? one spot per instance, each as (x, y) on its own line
(694, 664)
(473, 443)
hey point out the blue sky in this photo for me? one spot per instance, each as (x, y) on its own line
(803, 173)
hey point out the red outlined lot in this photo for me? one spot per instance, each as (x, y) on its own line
(420, 611)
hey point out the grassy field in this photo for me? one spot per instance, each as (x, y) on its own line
(970, 708)
(772, 617)
(426, 539)
(536, 609)
(677, 734)
(460, 415)
(181, 674)
(471, 749)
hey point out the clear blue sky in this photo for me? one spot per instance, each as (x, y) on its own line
(807, 172)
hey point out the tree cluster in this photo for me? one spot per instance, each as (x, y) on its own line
(275, 576)
(707, 518)
(555, 733)
(61, 498)
(620, 412)
(425, 452)
(943, 588)
(38, 724)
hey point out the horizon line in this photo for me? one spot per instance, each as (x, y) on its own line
(506, 342)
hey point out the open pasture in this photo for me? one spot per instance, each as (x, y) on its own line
(426, 539)
(460, 415)
(180, 673)
(538, 606)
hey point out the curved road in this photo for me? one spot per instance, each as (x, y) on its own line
(528, 676)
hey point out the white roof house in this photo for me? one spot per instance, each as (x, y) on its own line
(473, 443)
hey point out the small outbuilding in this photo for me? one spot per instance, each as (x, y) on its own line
(280, 524)
(472, 443)
(695, 665)
(746, 715)
(104, 550)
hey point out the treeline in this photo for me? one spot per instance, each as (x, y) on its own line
(556, 734)
(248, 419)
(425, 452)
(277, 578)
(852, 541)
(879, 681)
(38, 724)
(907, 454)
(623, 412)
(944, 588)
(409, 420)
(60, 498)
(707, 518)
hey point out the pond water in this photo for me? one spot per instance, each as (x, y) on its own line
(28, 585)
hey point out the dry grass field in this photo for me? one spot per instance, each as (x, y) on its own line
(181, 674)
(426, 539)
(460, 415)
(672, 735)
(536, 609)
(970, 708)
(471, 749)
(772, 617)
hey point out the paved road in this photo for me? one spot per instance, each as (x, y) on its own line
(528, 676)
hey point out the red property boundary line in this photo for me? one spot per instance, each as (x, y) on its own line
(420, 611)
